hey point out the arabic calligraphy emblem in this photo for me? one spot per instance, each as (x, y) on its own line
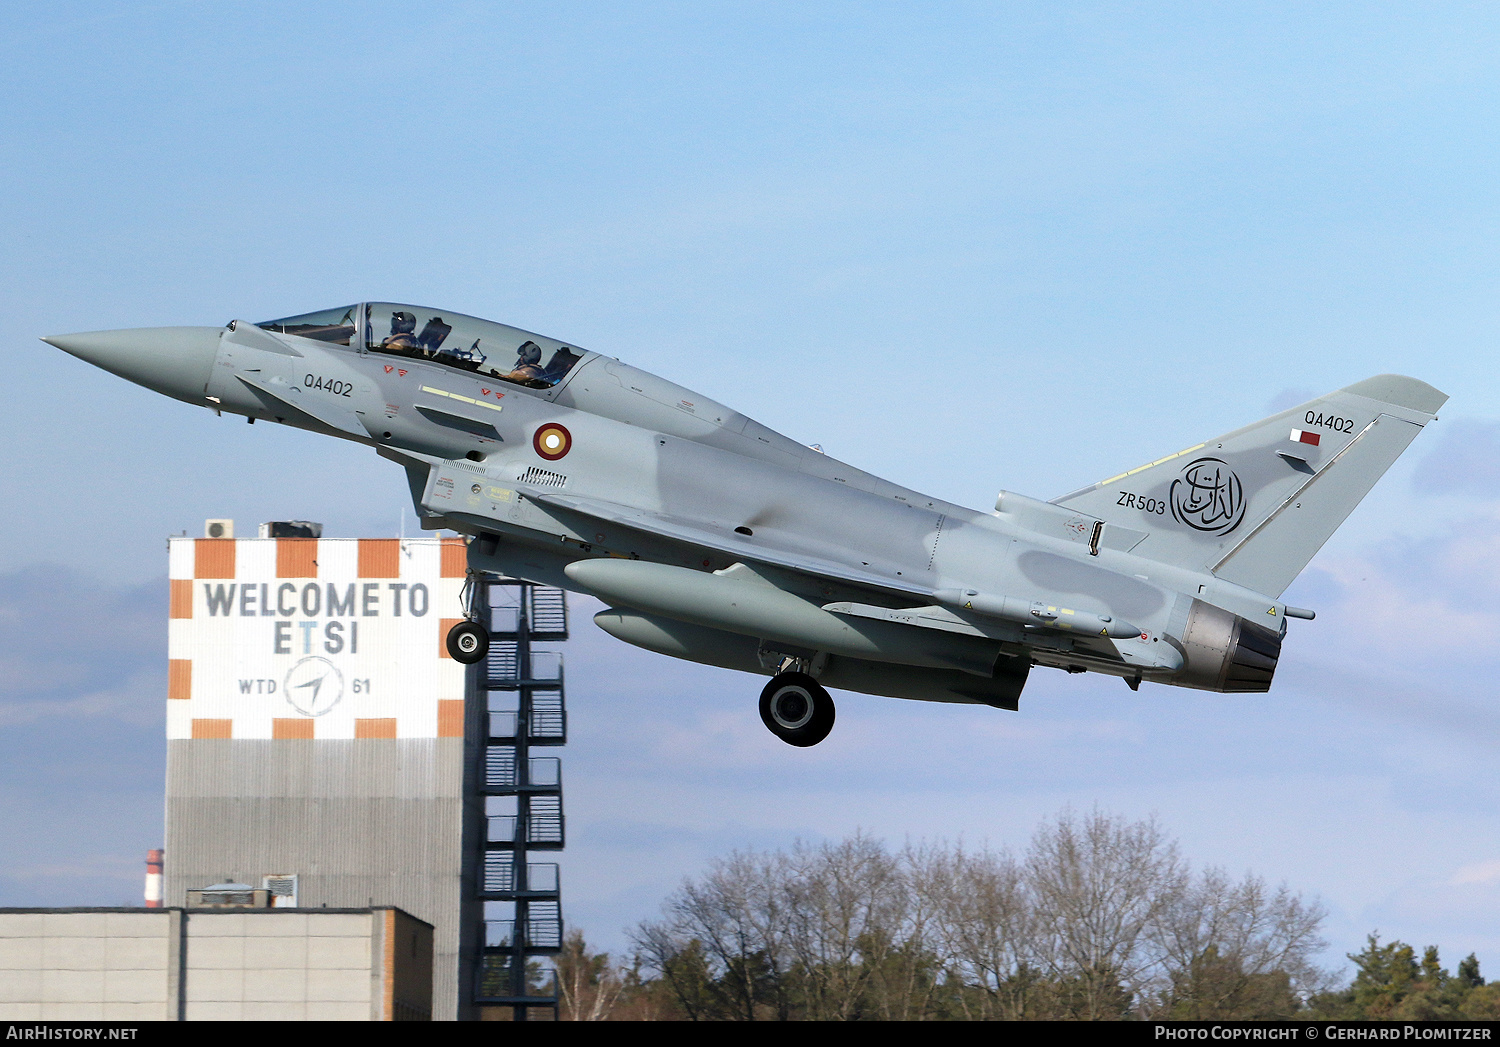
(314, 686)
(1208, 496)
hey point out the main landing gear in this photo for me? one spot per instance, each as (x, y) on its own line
(797, 709)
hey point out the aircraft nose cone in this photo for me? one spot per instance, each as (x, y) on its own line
(171, 360)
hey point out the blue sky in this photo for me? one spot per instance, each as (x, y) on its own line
(966, 247)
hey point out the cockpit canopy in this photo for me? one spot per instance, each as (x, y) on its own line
(468, 343)
(330, 325)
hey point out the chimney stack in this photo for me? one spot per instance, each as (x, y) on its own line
(153, 879)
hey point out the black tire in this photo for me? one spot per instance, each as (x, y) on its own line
(468, 642)
(797, 709)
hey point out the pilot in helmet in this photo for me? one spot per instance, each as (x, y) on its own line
(402, 326)
(528, 364)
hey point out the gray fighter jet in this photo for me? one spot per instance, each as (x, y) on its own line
(714, 539)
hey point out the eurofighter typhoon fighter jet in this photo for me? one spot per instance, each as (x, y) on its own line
(714, 539)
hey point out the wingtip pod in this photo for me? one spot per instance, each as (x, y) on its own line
(1400, 391)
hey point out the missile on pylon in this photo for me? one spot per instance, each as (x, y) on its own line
(1036, 614)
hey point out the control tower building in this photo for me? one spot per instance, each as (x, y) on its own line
(316, 734)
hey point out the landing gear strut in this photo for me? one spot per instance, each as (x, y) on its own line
(797, 709)
(468, 641)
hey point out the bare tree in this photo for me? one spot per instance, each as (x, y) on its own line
(989, 927)
(1100, 919)
(907, 975)
(1097, 885)
(1236, 950)
(721, 943)
(845, 906)
(589, 984)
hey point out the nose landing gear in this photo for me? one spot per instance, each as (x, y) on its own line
(468, 642)
(797, 709)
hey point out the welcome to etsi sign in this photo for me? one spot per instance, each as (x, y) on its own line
(303, 638)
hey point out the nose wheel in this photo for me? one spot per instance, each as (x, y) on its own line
(797, 709)
(468, 642)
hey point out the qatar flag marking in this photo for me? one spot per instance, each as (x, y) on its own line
(1302, 436)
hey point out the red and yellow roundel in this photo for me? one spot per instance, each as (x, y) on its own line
(552, 441)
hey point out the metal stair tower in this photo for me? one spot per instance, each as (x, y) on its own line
(521, 691)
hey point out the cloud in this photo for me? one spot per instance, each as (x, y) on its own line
(1405, 632)
(1289, 398)
(1479, 873)
(1425, 603)
(1465, 461)
(136, 701)
(73, 646)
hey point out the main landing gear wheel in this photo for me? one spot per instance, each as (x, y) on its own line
(468, 642)
(797, 709)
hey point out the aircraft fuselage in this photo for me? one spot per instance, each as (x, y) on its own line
(716, 539)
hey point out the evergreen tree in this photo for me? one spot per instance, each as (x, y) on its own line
(1468, 972)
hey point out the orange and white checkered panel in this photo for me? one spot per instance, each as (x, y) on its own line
(312, 638)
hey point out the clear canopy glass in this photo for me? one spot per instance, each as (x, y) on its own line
(328, 325)
(468, 343)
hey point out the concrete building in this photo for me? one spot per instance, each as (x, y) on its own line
(214, 965)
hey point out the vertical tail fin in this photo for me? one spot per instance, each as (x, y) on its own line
(1253, 506)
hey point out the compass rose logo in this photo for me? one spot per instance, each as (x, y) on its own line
(314, 686)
